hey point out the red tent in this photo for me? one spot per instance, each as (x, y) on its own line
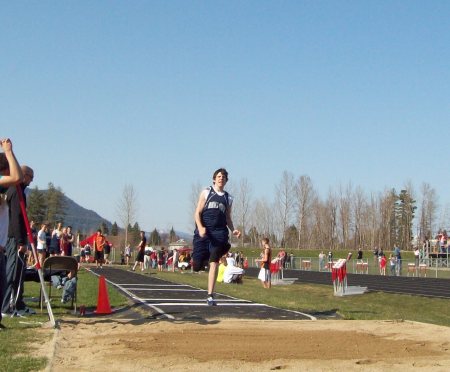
(90, 240)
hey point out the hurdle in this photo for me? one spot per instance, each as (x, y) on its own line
(411, 269)
(306, 265)
(339, 278)
(423, 270)
(276, 270)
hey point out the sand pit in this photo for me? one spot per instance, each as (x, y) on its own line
(120, 345)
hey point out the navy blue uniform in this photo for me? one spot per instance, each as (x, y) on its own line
(214, 218)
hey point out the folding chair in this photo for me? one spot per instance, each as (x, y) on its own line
(56, 264)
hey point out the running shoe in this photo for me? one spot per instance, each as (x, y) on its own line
(210, 301)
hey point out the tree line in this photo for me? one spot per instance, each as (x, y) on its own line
(296, 218)
(347, 218)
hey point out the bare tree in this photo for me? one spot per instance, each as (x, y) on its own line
(241, 206)
(373, 223)
(263, 218)
(126, 208)
(325, 222)
(387, 237)
(427, 211)
(196, 189)
(359, 208)
(305, 194)
(284, 203)
(345, 216)
(444, 216)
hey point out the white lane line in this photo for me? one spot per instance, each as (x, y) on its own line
(155, 285)
(203, 303)
(188, 300)
(161, 312)
(165, 289)
(155, 308)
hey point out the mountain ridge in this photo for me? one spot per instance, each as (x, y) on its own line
(87, 221)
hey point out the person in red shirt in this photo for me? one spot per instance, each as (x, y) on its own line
(383, 261)
(99, 243)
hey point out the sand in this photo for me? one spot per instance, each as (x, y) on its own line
(322, 345)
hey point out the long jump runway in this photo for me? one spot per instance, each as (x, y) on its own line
(183, 302)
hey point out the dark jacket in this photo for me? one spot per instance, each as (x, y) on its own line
(17, 229)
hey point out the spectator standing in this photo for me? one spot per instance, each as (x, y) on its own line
(175, 259)
(147, 260)
(360, 254)
(375, 255)
(127, 254)
(42, 243)
(64, 242)
(264, 273)
(417, 257)
(392, 264)
(321, 261)
(398, 256)
(330, 260)
(99, 244)
(154, 259)
(107, 252)
(140, 252)
(70, 240)
(87, 252)
(161, 258)
(30, 258)
(383, 261)
(55, 243)
(10, 175)
(16, 247)
(282, 258)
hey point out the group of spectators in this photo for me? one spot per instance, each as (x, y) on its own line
(99, 253)
(55, 242)
(160, 259)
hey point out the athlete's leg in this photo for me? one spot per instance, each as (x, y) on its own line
(200, 253)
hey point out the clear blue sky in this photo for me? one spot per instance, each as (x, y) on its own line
(158, 94)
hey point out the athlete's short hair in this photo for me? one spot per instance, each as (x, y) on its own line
(221, 170)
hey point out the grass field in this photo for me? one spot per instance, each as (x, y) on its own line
(21, 332)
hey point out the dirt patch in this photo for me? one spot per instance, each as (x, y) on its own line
(249, 345)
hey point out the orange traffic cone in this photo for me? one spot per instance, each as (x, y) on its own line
(103, 306)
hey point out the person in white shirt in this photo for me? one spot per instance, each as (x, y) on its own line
(42, 243)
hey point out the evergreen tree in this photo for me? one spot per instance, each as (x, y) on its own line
(393, 221)
(104, 227)
(291, 236)
(173, 237)
(405, 208)
(155, 238)
(36, 206)
(136, 233)
(114, 229)
(55, 204)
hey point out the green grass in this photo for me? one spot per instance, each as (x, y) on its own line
(15, 341)
(15, 346)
